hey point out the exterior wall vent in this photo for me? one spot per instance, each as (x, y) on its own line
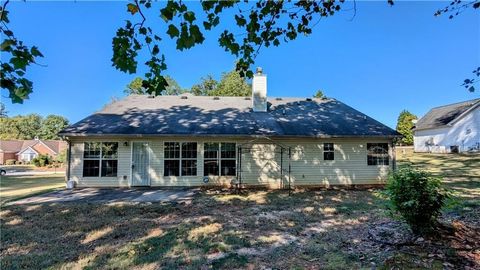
(248, 98)
(184, 97)
(150, 96)
(216, 98)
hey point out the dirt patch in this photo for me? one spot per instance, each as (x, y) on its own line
(330, 229)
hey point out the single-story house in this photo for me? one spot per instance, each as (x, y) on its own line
(191, 140)
(449, 128)
(26, 150)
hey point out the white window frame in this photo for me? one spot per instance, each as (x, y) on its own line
(180, 159)
(219, 158)
(328, 151)
(100, 159)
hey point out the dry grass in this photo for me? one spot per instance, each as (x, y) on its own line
(325, 229)
(16, 187)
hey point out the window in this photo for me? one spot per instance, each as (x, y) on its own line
(328, 151)
(210, 159)
(219, 159)
(180, 159)
(377, 154)
(100, 159)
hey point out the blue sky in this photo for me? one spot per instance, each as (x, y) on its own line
(382, 61)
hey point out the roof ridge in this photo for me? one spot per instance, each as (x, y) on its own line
(475, 100)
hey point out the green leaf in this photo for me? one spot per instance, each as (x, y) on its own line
(196, 34)
(240, 20)
(173, 31)
(35, 52)
(207, 25)
(132, 8)
(19, 63)
(189, 16)
(155, 50)
(5, 46)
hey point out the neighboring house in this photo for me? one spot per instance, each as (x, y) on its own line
(250, 141)
(26, 150)
(450, 128)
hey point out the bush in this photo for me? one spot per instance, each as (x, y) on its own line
(42, 160)
(417, 196)
(10, 162)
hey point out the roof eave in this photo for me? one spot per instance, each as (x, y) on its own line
(83, 135)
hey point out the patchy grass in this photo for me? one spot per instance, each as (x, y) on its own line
(16, 187)
(460, 173)
(446, 165)
(324, 229)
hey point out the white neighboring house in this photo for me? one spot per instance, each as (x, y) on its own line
(450, 128)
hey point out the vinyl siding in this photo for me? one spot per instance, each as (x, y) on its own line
(123, 173)
(260, 163)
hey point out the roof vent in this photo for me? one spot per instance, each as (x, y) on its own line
(278, 98)
(324, 98)
(308, 99)
(183, 97)
(216, 98)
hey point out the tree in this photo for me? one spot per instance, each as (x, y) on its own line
(3, 110)
(206, 86)
(135, 87)
(51, 126)
(232, 84)
(27, 127)
(8, 129)
(261, 24)
(172, 88)
(405, 125)
(20, 56)
(20, 127)
(319, 94)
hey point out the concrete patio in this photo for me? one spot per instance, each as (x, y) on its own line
(110, 195)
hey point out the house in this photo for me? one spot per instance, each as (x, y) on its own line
(26, 150)
(249, 141)
(449, 128)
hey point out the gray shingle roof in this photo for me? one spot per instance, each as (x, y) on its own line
(443, 115)
(229, 116)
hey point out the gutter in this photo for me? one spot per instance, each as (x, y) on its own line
(80, 135)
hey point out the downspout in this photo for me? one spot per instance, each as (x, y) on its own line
(394, 156)
(69, 158)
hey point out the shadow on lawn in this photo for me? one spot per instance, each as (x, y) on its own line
(326, 229)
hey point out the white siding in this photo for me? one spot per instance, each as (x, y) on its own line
(465, 134)
(260, 163)
(123, 173)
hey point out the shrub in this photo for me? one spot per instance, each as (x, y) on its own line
(10, 162)
(417, 196)
(42, 160)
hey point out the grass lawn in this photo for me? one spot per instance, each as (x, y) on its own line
(327, 229)
(15, 187)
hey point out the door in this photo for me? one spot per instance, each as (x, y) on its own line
(140, 163)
